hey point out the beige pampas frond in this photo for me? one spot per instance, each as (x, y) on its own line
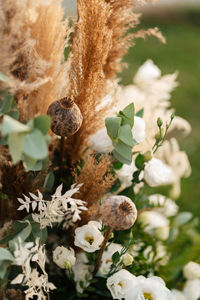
(32, 52)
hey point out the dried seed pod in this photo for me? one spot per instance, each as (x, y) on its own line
(118, 212)
(66, 118)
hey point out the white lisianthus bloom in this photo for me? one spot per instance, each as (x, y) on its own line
(138, 129)
(125, 174)
(82, 272)
(152, 288)
(153, 220)
(177, 295)
(63, 257)
(157, 173)
(119, 283)
(107, 257)
(162, 233)
(192, 289)
(100, 141)
(168, 207)
(88, 237)
(146, 73)
(191, 270)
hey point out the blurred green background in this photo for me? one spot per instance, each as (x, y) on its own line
(181, 28)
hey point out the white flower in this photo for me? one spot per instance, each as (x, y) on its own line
(192, 289)
(138, 129)
(119, 283)
(162, 233)
(168, 207)
(107, 257)
(101, 142)
(152, 288)
(125, 174)
(146, 73)
(88, 237)
(153, 220)
(191, 270)
(177, 295)
(82, 272)
(63, 257)
(127, 259)
(157, 173)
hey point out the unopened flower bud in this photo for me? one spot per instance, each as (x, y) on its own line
(127, 259)
(159, 122)
(148, 155)
(64, 258)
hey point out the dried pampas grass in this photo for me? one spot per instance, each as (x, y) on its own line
(33, 37)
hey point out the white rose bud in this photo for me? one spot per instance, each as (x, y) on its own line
(119, 283)
(191, 270)
(127, 259)
(88, 237)
(157, 173)
(138, 129)
(63, 257)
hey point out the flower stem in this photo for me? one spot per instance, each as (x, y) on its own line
(62, 143)
(103, 246)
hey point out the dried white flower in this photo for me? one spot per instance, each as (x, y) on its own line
(63, 257)
(191, 270)
(88, 237)
(61, 209)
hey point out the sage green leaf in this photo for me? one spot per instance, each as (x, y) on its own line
(29, 162)
(49, 181)
(5, 254)
(125, 135)
(3, 268)
(23, 234)
(123, 149)
(127, 115)
(15, 143)
(35, 145)
(42, 123)
(121, 158)
(112, 126)
(38, 232)
(10, 125)
(140, 113)
(6, 104)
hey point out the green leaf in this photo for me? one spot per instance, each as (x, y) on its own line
(6, 104)
(5, 254)
(3, 268)
(127, 115)
(140, 113)
(116, 257)
(37, 232)
(139, 162)
(49, 181)
(123, 149)
(23, 233)
(121, 158)
(42, 123)
(35, 145)
(112, 126)
(183, 218)
(117, 165)
(10, 125)
(3, 77)
(15, 142)
(125, 135)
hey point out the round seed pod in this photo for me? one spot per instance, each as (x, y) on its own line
(118, 212)
(66, 117)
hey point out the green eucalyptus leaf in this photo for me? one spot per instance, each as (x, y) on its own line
(125, 135)
(140, 113)
(5, 254)
(35, 145)
(127, 115)
(10, 125)
(123, 149)
(38, 232)
(42, 123)
(6, 104)
(49, 181)
(121, 158)
(112, 126)
(15, 143)
(3, 268)
(23, 234)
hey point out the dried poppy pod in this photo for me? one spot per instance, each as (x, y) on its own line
(66, 118)
(118, 212)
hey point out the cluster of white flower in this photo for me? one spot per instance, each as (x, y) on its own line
(38, 284)
(61, 209)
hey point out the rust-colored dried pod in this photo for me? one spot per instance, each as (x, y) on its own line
(66, 117)
(118, 212)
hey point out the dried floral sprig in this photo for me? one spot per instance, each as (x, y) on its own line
(61, 209)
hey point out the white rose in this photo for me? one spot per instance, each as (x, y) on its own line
(157, 173)
(107, 257)
(88, 237)
(138, 129)
(191, 270)
(146, 73)
(125, 174)
(119, 283)
(63, 257)
(177, 295)
(101, 142)
(148, 288)
(192, 289)
(82, 272)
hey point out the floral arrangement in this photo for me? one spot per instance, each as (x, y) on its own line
(90, 170)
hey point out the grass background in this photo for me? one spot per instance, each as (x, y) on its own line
(181, 53)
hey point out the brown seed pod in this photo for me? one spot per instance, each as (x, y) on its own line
(66, 118)
(118, 212)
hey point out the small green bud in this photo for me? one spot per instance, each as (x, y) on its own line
(68, 265)
(159, 122)
(127, 259)
(172, 116)
(148, 155)
(111, 235)
(157, 137)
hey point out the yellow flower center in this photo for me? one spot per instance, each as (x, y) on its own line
(89, 239)
(120, 284)
(148, 296)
